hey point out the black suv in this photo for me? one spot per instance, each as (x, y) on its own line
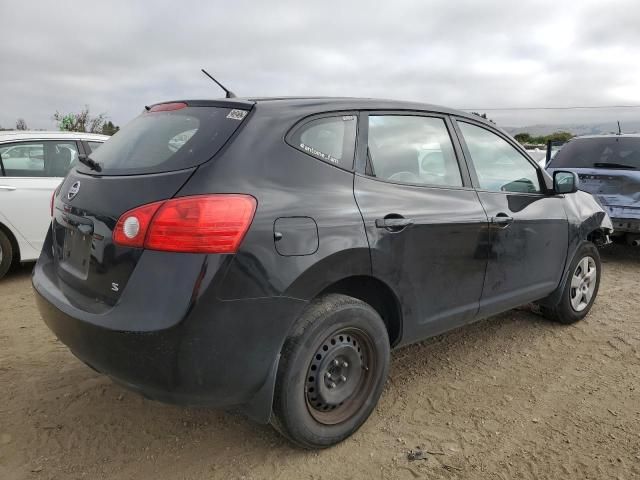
(267, 254)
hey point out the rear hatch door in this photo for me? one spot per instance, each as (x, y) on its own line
(149, 160)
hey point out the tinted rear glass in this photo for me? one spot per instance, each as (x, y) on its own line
(598, 152)
(167, 140)
(331, 139)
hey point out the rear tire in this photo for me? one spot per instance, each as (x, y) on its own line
(331, 372)
(6, 254)
(580, 288)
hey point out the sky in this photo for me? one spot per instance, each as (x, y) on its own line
(118, 56)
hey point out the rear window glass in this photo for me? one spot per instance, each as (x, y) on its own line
(331, 139)
(606, 152)
(166, 140)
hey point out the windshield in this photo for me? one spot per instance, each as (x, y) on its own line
(604, 152)
(163, 141)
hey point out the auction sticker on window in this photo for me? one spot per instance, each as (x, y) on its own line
(236, 114)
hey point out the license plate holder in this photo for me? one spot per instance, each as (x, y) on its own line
(76, 252)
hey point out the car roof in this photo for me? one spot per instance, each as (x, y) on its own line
(321, 104)
(609, 135)
(18, 135)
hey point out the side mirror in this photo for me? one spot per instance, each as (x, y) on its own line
(565, 182)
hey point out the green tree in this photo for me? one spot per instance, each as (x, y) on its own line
(523, 137)
(109, 128)
(80, 122)
(559, 136)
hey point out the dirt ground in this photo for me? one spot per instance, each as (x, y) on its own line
(511, 397)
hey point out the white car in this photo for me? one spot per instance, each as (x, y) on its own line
(32, 165)
(539, 155)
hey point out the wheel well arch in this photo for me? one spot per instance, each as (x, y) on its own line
(598, 236)
(12, 238)
(377, 294)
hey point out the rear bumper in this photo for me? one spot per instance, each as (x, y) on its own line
(216, 353)
(625, 218)
(627, 225)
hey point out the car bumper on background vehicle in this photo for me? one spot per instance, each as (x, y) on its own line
(218, 353)
(627, 225)
(626, 222)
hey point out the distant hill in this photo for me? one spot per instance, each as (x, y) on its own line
(576, 128)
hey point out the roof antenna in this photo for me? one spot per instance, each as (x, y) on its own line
(229, 93)
(619, 129)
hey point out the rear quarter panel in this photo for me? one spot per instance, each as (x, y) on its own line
(285, 182)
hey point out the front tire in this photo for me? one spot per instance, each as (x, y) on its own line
(580, 287)
(6, 254)
(331, 372)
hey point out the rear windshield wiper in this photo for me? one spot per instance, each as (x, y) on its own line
(89, 162)
(613, 165)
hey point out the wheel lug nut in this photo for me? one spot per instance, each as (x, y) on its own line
(336, 363)
(345, 364)
(332, 385)
(328, 375)
(343, 378)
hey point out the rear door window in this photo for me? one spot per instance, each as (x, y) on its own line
(331, 139)
(166, 140)
(606, 152)
(38, 158)
(412, 149)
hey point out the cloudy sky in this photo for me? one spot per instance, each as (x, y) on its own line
(118, 56)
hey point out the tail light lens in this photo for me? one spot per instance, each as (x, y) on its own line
(132, 227)
(53, 198)
(196, 224)
(168, 107)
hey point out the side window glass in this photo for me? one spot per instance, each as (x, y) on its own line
(412, 149)
(60, 157)
(331, 139)
(23, 159)
(499, 166)
(38, 159)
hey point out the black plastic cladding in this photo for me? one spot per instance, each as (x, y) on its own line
(220, 346)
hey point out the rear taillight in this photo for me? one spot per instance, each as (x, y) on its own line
(132, 227)
(53, 198)
(196, 224)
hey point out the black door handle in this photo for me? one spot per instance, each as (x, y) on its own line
(502, 220)
(394, 224)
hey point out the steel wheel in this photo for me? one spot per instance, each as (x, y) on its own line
(331, 372)
(583, 283)
(338, 377)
